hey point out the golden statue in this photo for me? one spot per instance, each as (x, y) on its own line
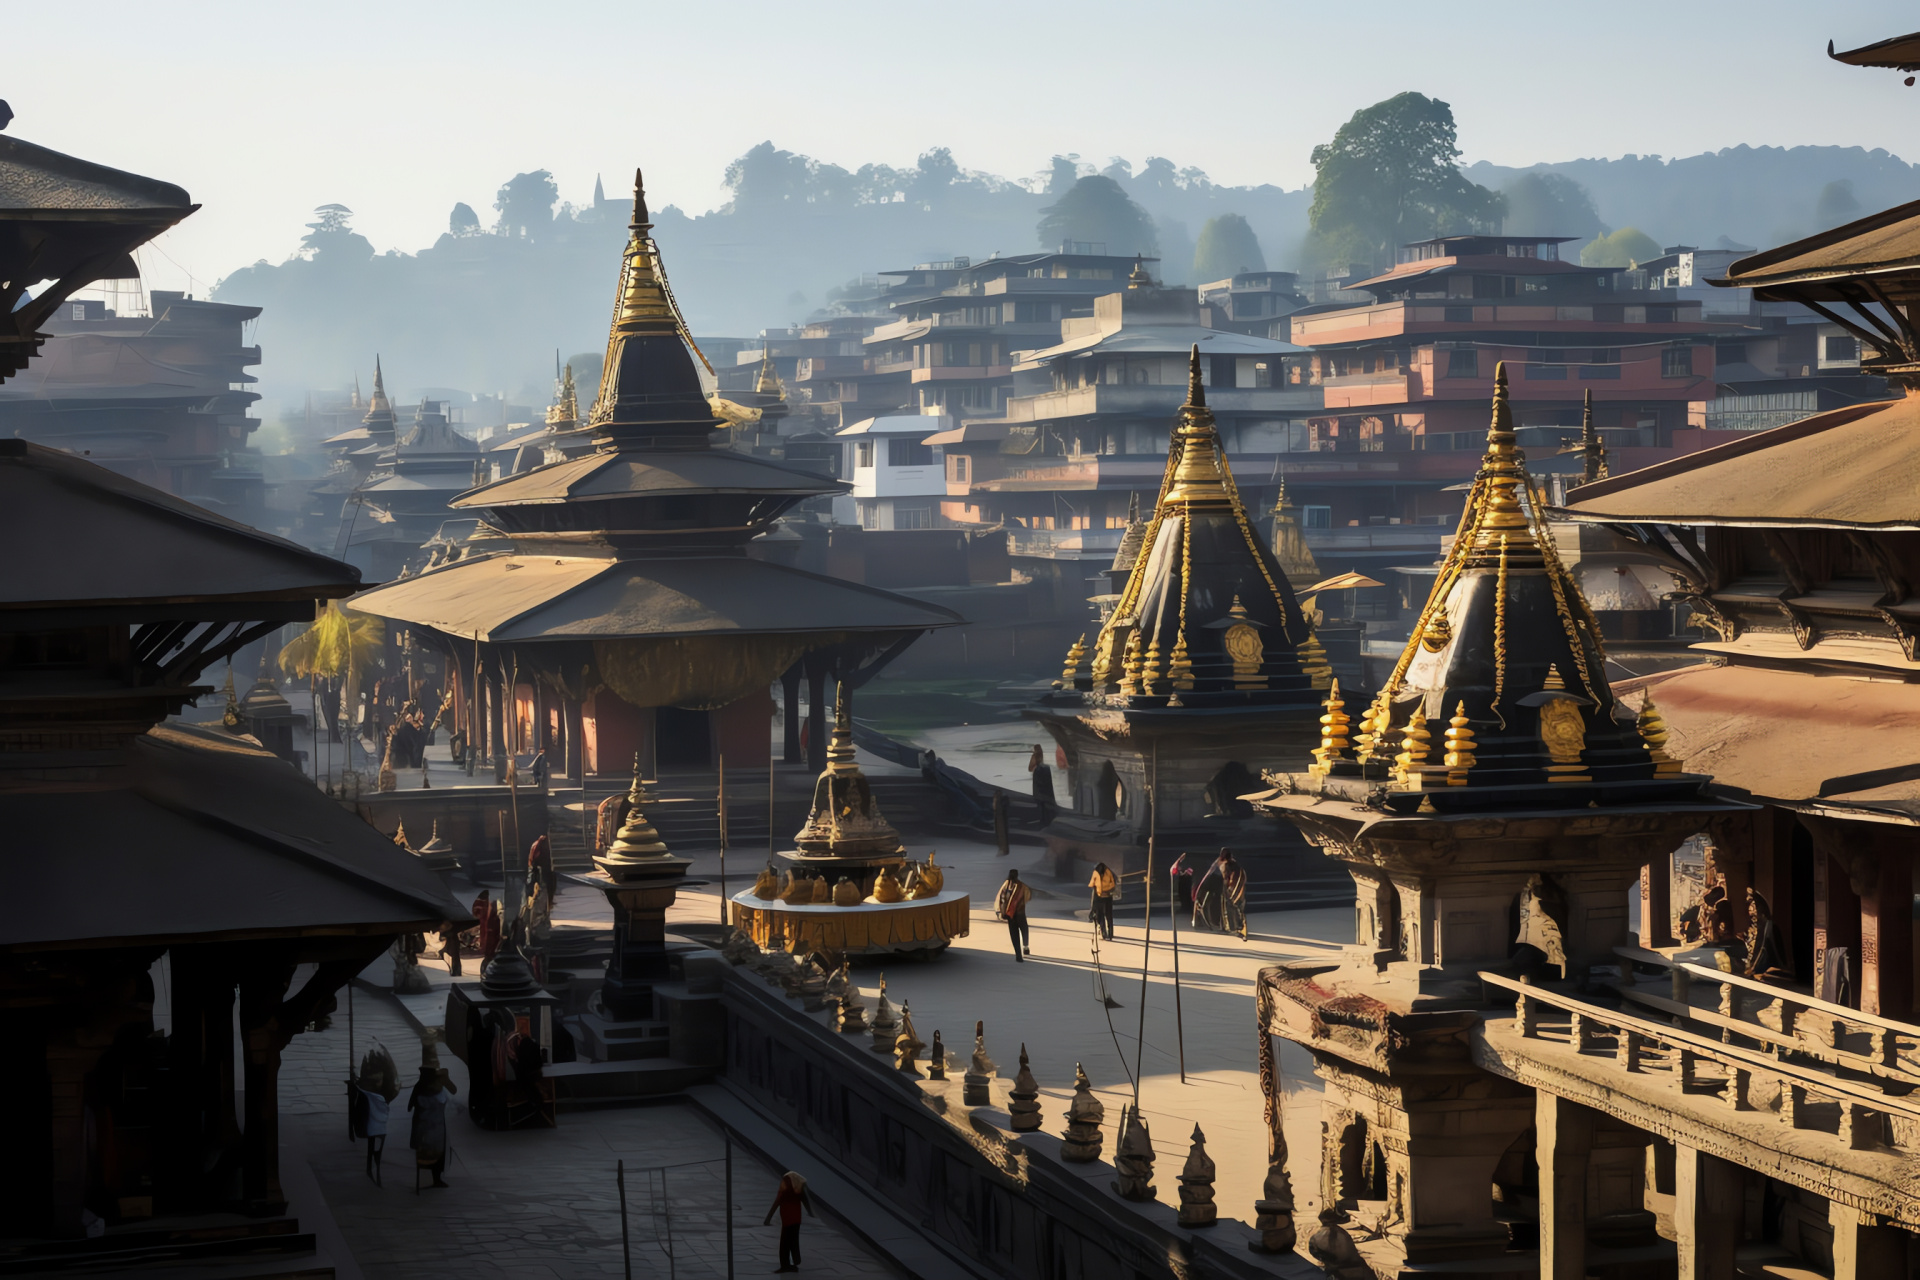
(846, 893)
(886, 888)
(767, 883)
(822, 892)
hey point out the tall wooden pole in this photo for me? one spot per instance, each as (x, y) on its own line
(1179, 1023)
(723, 837)
(1146, 938)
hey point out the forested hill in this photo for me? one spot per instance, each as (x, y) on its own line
(1752, 196)
(484, 308)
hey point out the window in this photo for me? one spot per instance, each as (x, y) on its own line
(1460, 315)
(913, 517)
(1660, 315)
(909, 453)
(1675, 362)
(863, 454)
(79, 311)
(869, 515)
(959, 468)
(1316, 517)
(1541, 364)
(1463, 364)
(1842, 348)
(1606, 364)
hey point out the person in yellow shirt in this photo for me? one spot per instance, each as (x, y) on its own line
(1104, 884)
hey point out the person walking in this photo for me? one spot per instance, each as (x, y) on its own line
(1042, 785)
(788, 1202)
(428, 1102)
(1011, 906)
(1221, 901)
(1104, 884)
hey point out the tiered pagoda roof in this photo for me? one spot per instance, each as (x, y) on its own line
(1207, 617)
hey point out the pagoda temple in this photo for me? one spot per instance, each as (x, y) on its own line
(1202, 674)
(1493, 790)
(627, 615)
(150, 973)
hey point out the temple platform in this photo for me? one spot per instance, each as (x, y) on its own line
(928, 925)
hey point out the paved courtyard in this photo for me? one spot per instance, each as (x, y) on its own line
(534, 1203)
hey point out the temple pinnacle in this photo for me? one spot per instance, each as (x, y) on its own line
(641, 219)
(1196, 393)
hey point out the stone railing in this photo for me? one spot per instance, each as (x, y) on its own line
(1783, 1021)
(1764, 1099)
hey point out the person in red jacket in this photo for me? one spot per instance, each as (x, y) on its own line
(788, 1201)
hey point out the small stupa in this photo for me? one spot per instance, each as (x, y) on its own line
(845, 833)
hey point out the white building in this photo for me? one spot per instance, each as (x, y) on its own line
(898, 478)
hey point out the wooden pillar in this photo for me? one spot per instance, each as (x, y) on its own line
(790, 698)
(1708, 1207)
(1836, 914)
(497, 722)
(1656, 902)
(262, 985)
(1863, 1249)
(576, 741)
(1773, 872)
(1886, 934)
(1562, 1145)
(817, 729)
(68, 1062)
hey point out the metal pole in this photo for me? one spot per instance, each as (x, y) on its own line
(769, 808)
(620, 1181)
(349, 1059)
(723, 837)
(1173, 923)
(729, 1138)
(666, 1210)
(1146, 938)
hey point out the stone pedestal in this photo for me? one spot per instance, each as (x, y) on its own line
(640, 879)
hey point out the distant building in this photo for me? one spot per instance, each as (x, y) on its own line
(163, 398)
(898, 478)
(1253, 302)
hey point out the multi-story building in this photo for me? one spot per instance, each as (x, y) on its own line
(162, 398)
(898, 478)
(1255, 302)
(1085, 437)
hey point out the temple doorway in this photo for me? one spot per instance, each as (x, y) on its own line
(682, 739)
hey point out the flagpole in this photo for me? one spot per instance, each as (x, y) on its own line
(1179, 1024)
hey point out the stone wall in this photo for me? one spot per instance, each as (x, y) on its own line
(1007, 1203)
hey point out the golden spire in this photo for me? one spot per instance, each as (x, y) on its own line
(637, 837)
(1333, 733)
(644, 308)
(1199, 478)
(1373, 729)
(1138, 277)
(1593, 450)
(841, 757)
(1130, 680)
(231, 716)
(1413, 750)
(1180, 668)
(1459, 757)
(1313, 661)
(1075, 656)
(1150, 675)
(379, 409)
(1653, 731)
(1504, 524)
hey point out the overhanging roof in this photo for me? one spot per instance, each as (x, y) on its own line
(520, 598)
(1884, 245)
(1853, 467)
(635, 473)
(87, 536)
(1162, 339)
(899, 424)
(204, 836)
(1793, 736)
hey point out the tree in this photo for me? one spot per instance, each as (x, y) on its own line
(1227, 245)
(463, 221)
(330, 235)
(526, 202)
(1623, 248)
(1390, 176)
(1096, 209)
(1551, 204)
(1836, 204)
(1062, 173)
(935, 172)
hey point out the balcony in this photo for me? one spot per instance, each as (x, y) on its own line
(1162, 399)
(1393, 319)
(949, 372)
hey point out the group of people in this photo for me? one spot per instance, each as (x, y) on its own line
(1218, 901)
(370, 1107)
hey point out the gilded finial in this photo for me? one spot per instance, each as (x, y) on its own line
(1313, 661)
(637, 837)
(231, 716)
(641, 218)
(1333, 733)
(1593, 450)
(1075, 656)
(1180, 668)
(1130, 677)
(1459, 756)
(1196, 391)
(1503, 471)
(841, 757)
(1373, 729)
(1653, 731)
(1150, 670)
(1413, 750)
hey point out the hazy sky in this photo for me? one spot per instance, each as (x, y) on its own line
(398, 109)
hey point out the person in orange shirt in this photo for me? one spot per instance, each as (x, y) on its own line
(1103, 883)
(788, 1201)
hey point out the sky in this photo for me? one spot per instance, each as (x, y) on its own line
(264, 110)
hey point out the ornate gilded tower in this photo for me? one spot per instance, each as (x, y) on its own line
(1492, 790)
(1201, 675)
